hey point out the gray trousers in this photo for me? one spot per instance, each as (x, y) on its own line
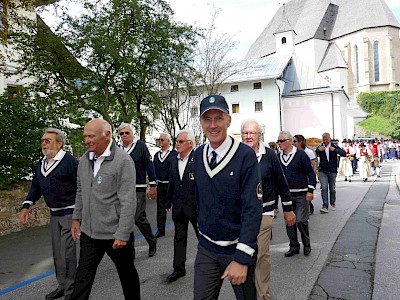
(64, 252)
(141, 219)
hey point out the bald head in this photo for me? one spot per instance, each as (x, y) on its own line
(97, 135)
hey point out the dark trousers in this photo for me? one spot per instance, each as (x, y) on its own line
(141, 219)
(64, 252)
(91, 254)
(208, 269)
(162, 189)
(180, 240)
(301, 210)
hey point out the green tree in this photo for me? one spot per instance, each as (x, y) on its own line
(22, 122)
(108, 60)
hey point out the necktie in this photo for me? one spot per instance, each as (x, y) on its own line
(213, 161)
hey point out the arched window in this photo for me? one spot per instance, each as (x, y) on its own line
(356, 69)
(283, 40)
(376, 60)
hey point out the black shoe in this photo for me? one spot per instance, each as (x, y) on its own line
(159, 234)
(307, 250)
(152, 249)
(291, 252)
(175, 276)
(55, 294)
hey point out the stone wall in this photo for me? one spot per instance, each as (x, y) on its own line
(10, 205)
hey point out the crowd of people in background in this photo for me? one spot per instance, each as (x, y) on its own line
(228, 190)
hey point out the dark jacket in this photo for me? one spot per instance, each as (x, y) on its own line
(181, 193)
(330, 166)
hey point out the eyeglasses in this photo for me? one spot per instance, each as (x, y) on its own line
(46, 141)
(252, 134)
(124, 132)
(209, 120)
(281, 141)
(181, 141)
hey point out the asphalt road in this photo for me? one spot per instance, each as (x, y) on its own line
(26, 270)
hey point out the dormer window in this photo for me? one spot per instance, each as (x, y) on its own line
(283, 41)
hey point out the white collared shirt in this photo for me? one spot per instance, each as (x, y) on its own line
(99, 160)
(287, 156)
(182, 164)
(327, 151)
(130, 147)
(221, 151)
(48, 166)
(261, 151)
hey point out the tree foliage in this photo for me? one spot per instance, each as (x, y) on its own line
(384, 104)
(109, 59)
(22, 120)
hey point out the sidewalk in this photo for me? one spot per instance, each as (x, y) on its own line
(387, 263)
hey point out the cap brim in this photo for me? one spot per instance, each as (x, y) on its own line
(209, 108)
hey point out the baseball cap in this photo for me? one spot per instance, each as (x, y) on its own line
(213, 102)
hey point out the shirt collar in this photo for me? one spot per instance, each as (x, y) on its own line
(186, 157)
(59, 156)
(294, 150)
(222, 149)
(106, 152)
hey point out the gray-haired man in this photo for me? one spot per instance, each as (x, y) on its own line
(55, 179)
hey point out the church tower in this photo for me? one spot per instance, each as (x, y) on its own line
(284, 36)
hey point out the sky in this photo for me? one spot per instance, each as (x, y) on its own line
(243, 20)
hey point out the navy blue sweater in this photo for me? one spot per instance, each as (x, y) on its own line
(229, 210)
(273, 182)
(141, 156)
(162, 164)
(299, 172)
(330, 166)
(58, 188)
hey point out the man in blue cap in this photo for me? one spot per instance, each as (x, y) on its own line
(228, 195)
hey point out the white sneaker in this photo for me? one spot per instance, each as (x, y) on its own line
(323, 210)
(333, 206)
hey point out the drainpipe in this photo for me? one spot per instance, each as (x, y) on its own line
(280, 105)
(333, 118)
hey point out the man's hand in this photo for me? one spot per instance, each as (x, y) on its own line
(331, 148)
(236, 273)
(309, 196)
(23, 216)
(152, 192)
(321, 148)
(76, 229)
(119, 244)
(290, 218)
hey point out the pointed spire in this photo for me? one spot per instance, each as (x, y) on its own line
(284, 24)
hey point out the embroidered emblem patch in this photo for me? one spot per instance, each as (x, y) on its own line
(259, 192)
(211, 100)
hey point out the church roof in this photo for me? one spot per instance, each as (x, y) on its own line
(262, 68)
(323, 19)
(332, 59)
(301, 79)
